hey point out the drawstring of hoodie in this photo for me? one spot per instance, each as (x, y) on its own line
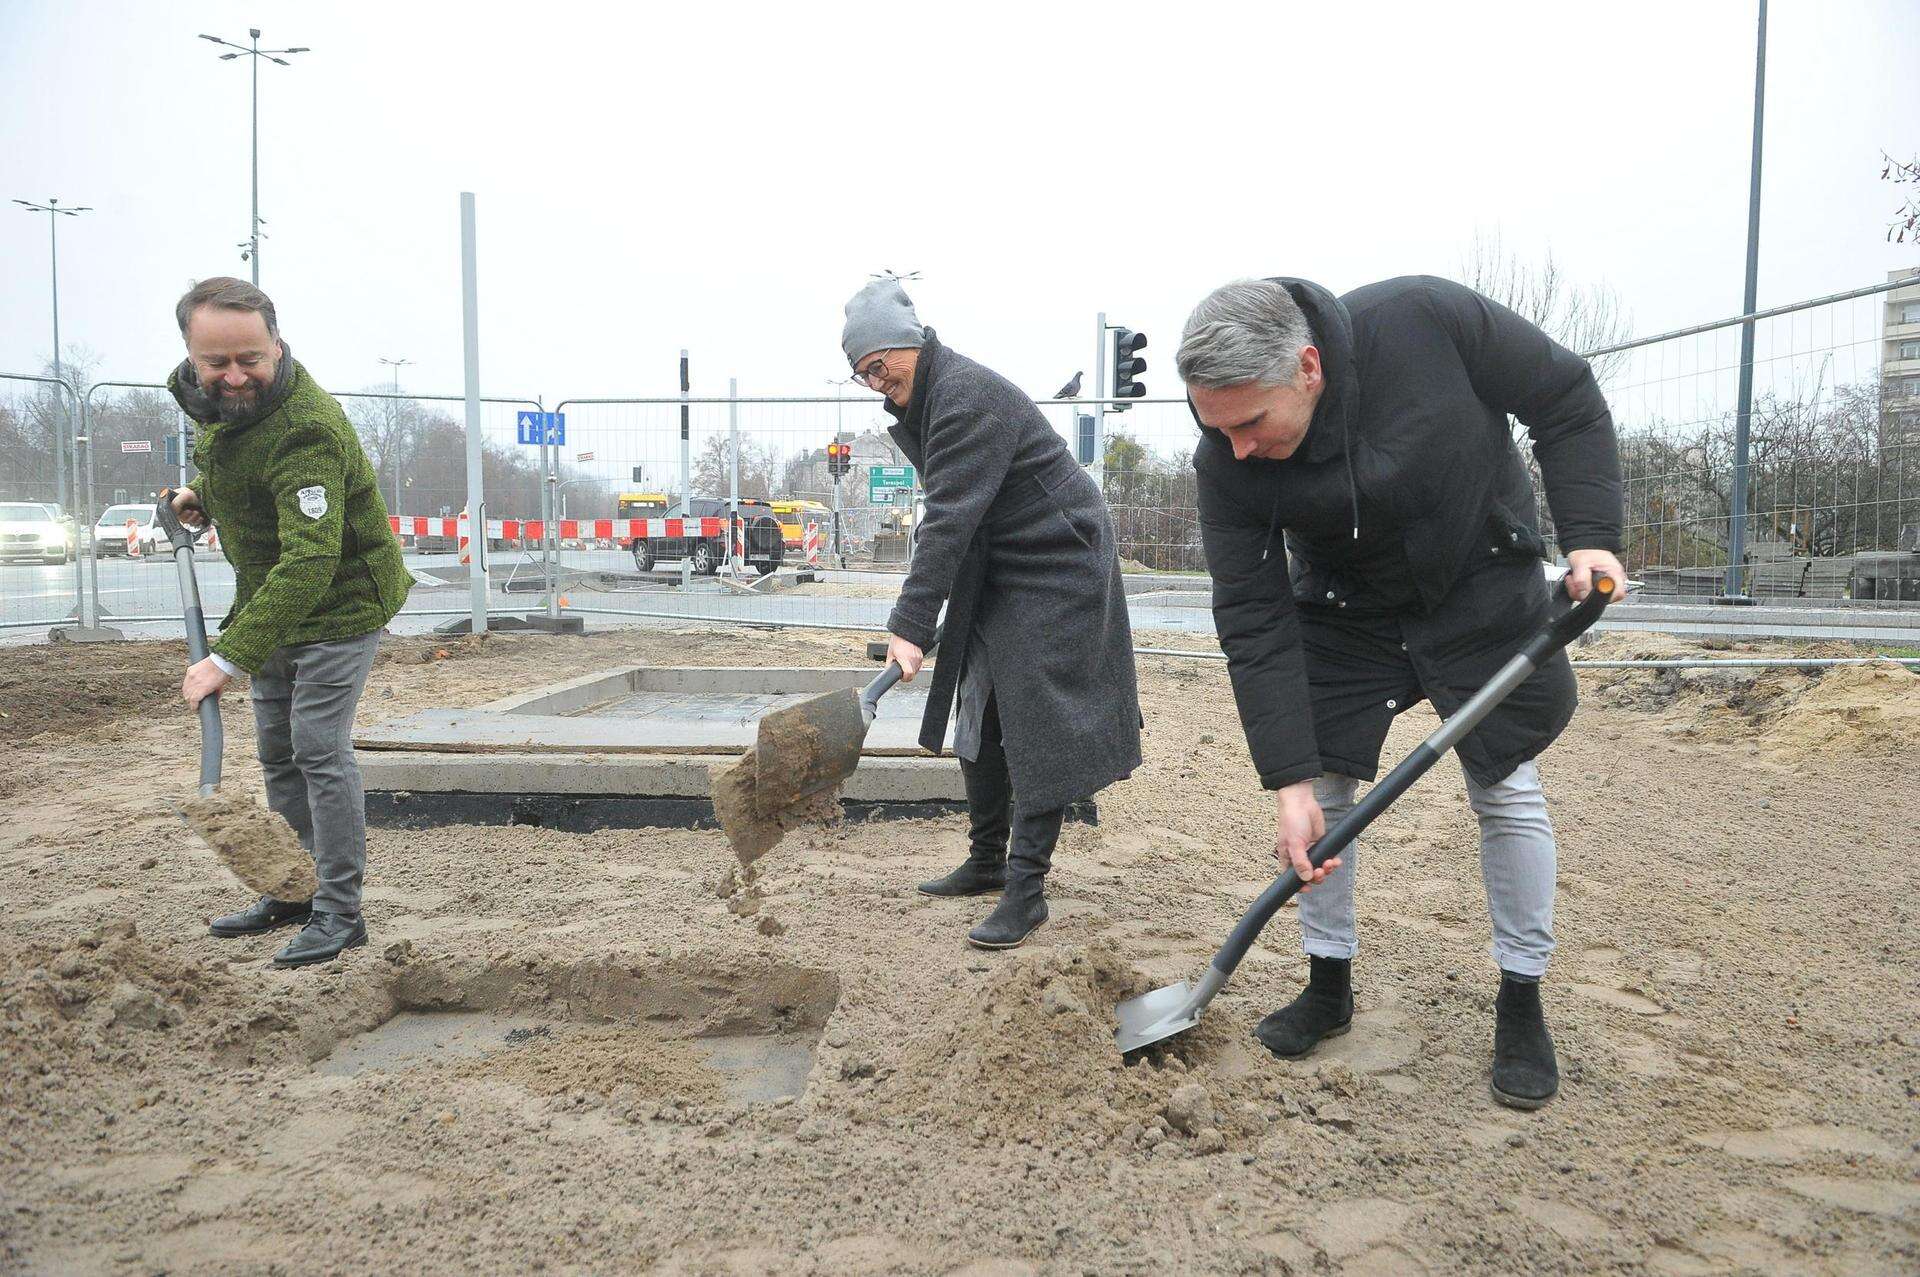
(1353, 503)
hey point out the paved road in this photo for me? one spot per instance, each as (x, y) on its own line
(602, 586)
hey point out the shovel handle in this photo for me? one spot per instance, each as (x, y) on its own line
(181, 537)
(884, 681)
(1559, 632)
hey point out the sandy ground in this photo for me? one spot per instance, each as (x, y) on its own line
(528, 1069)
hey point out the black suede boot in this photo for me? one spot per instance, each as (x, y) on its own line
(1324, 1009)
(1525, 1074)
(1023, 905)
(989, 795)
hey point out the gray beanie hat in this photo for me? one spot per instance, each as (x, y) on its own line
(880, 317)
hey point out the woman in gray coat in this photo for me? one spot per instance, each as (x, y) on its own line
(1036, 665)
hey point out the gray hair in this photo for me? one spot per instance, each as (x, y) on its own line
(1249, 330)
(227, 293)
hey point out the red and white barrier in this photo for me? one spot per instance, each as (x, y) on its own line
(611, 531)
(133, 539)
(810, 543)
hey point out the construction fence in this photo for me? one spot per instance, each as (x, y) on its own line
(584, 517)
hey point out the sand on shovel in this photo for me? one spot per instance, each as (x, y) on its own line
(752, 834)
(256, 844)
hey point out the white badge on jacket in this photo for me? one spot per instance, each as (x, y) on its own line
(313, 502)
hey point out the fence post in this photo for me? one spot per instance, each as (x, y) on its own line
(686, 465)
(476, 470)
(736, 532)
(87, 565)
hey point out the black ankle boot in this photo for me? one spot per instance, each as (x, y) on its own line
(1324, 1009)
(978, 875)
(1525, 1074)
(989, 802)
(1023, 905)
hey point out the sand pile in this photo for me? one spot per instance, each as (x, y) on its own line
(1851, 707)
(255, 843)
(1030, 1059)
(562, 1059)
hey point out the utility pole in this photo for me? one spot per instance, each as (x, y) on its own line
(1736, 585)
(255, 52)
(54, 213)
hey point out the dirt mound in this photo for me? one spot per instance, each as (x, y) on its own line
(1030, 1059)
(1790, 711)
(1852, 707)
(426, 649)
(549, 1062)
(76, 688)
(255, 843)
(95, 998)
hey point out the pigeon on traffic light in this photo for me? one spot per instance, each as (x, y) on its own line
(1071, 390)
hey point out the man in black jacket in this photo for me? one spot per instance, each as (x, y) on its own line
(1372, 431)
(1036, 666)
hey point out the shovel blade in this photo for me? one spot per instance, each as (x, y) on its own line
(1156, 1016)
(805, 748)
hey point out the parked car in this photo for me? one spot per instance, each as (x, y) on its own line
(764, 544)
(110, 534)
(34, 530)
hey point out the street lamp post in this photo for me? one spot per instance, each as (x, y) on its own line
(256, 53)
(393, 437)
(54, 213)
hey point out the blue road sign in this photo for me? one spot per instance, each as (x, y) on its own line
(542, 428)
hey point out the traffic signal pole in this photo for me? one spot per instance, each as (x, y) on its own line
(1100, 406)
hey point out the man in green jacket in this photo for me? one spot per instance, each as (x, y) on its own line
(317, 573)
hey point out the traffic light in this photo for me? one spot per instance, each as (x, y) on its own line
(174, 444)
(1127, 366)
(839, 458)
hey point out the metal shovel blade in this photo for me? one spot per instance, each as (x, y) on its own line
(1156, 1016)
(805, 748)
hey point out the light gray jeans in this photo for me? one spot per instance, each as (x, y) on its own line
(303, 703)
(1517, 865)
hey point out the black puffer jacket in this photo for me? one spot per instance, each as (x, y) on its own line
(1408, 497)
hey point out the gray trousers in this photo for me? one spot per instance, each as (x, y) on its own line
(1517, 865)
(303, 703)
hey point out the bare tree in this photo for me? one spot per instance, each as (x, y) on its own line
(1906, 219)
(758, 465)
(1579, 317)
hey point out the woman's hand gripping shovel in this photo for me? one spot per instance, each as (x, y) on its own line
(1163, 1013)
(256, 844)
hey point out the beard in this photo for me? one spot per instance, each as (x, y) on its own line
(230, 406)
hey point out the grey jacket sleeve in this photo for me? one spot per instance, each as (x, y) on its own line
(968, 452)
(1259, 630)
(1518, 369)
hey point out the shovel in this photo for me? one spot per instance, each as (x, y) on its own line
(810, 747)
(256, 844)
(182, 538)
(1163, 1013)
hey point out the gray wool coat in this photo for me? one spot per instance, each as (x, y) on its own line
(1017, 543)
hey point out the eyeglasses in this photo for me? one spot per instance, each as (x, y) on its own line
(871, 374)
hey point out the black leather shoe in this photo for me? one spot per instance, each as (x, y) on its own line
(1023, 904)
(325, 937)
(1324, 1009)
(1525, 1073)
(263, 915)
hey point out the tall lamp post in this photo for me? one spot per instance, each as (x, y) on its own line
(252, 246)
(393, 439)
(54, 213)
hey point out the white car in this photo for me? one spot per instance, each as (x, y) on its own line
(110, 534)
(31, 530)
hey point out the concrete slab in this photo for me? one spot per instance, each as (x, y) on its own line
(635, 746)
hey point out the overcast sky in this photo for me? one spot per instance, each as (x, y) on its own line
(722, 177)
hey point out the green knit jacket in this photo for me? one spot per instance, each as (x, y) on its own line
(302, 523)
